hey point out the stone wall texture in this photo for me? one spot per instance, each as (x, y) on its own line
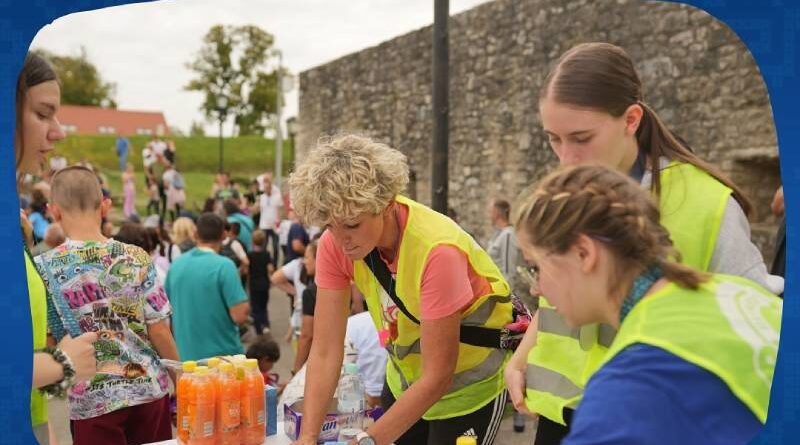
(696, 72)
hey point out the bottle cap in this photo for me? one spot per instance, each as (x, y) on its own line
(201, 370)
(226, 367)
(213, 362)
(189, 366)
(251, 363)
(467, 440)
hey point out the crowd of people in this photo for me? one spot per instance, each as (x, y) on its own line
(112, 297)
(648, 293)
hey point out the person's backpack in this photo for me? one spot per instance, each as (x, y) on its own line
(227, 251)
(177, 181)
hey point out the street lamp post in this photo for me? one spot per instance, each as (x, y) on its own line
(291, 128)
(284, 84)
(222, 109)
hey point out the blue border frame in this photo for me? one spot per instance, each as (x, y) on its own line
(769, 29)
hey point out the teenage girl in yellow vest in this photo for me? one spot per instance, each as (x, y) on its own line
(37, 101)
(437, 386)
(694, 356)
(593, 111)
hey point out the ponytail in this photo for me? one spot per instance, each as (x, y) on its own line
(681, 274)
(657, 141)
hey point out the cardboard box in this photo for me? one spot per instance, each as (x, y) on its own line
(293, 419)
(271, 398)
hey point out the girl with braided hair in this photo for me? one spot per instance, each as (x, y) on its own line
(593, 111)
(694, 355)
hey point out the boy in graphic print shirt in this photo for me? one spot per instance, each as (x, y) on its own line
(101, 285)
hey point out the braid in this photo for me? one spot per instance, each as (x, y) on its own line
(607, 206)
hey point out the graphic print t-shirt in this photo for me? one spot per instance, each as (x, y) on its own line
(109, 288)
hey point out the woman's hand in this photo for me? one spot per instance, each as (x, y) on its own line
(518, 365)
(515, 382)
(305, 441)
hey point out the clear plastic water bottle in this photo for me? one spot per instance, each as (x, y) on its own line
(350, 403)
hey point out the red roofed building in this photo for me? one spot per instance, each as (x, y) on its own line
(82, 120)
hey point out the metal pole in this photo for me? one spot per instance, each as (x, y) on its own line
(278, 135)
(291, 141)
(441, 12)
(221, 165)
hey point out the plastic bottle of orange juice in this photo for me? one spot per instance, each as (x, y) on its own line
(228, 406)
(253, 406)
(213, 365)
(183, 393)
(202, 430)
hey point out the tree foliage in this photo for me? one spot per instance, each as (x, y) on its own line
(233, 62)
(196, 129)
(81, 82)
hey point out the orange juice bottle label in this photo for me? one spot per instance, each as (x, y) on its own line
(190, 415)
(203, 424)
(248, 416)
(229, 415)
(184, 423)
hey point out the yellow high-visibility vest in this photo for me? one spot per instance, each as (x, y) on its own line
(692, 205)
(478, 377)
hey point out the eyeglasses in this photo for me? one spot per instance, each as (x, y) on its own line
(530, 274)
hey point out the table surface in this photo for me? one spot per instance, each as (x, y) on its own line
(278, 439)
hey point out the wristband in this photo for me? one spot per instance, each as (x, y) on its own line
(59, 388)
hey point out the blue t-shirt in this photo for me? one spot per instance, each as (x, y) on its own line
(202, 286)
(122, 146)
(296, 232)
(648, 395)
(39, 223)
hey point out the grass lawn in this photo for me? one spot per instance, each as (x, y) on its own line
(197, 160)
(198, 186)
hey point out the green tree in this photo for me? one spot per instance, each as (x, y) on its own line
(233, 63)
(196, 129)
(81, 82)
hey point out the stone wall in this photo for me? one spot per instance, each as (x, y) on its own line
(696, 73)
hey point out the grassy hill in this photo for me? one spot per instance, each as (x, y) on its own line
(197, 158)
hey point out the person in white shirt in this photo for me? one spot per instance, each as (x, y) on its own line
(158, 146)
(148, 159)
(293, 278)
(270, 203)
(363, 336)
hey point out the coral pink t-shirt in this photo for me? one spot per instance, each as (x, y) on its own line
(449, 284)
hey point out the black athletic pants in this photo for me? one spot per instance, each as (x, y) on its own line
(483, 423)
(552, 433)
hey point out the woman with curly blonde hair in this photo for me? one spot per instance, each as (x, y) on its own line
(436, 298)
(184, 233)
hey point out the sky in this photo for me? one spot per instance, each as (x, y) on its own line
(144, 47)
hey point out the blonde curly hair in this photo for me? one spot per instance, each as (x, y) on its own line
(346, 176)
(182, 229)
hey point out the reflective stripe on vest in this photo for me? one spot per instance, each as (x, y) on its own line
(729, 327)
(477, 318)
(478, 376)
(692, 204)
(542, 379)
